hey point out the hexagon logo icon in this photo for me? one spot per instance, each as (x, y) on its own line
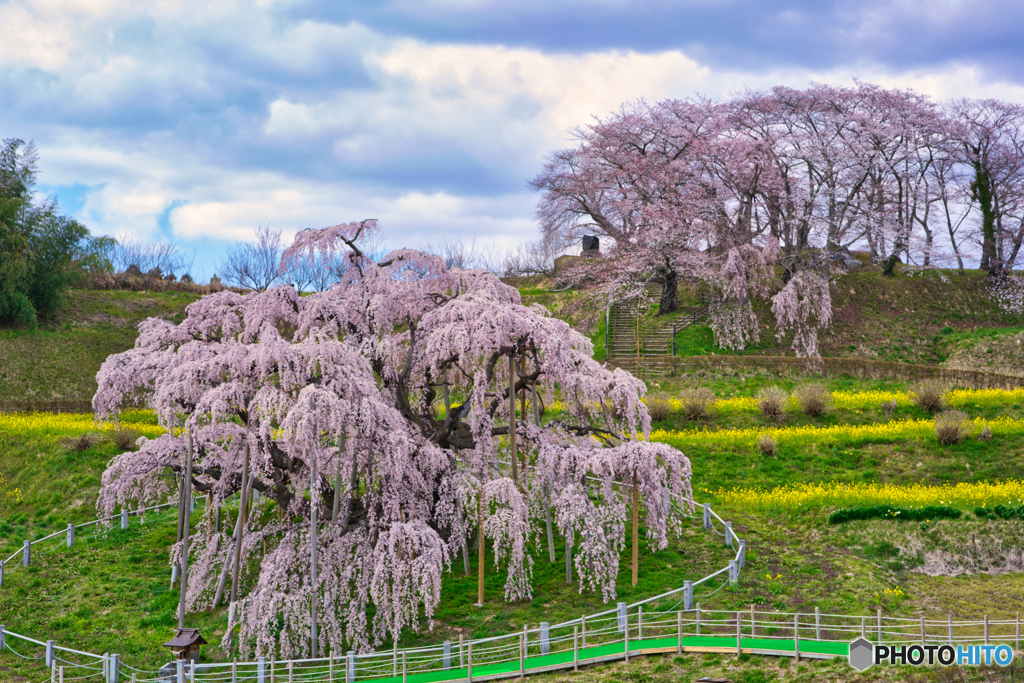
(862, 654)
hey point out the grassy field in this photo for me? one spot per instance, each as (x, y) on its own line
(60, 359)
(112, 593)
(114, 590)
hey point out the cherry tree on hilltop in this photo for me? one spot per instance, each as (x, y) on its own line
(384, 408)
(785, 180)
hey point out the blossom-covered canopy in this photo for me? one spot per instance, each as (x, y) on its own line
(353, 380)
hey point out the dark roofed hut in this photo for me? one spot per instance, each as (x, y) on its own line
(185, 645)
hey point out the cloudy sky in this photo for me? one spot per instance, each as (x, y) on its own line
(195, 122)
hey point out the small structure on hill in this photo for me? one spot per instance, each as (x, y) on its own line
(588, 247)
(185, 645)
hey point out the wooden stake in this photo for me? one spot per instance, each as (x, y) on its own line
(636, 531)
(336, 508)
(512, 416)
(185, 533)
(242, 503)
(480, 539)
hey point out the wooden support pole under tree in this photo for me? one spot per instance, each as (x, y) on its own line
(181, 508)
(480, 539)
(636, 531)
(512, 415)
(185, 533)
(242, 502)
(547, 517)
(314, 640)
(228, 564)
(336, 508)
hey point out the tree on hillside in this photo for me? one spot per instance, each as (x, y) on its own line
(255, 265)
(329, 405)
(42, 252)
(721, 193)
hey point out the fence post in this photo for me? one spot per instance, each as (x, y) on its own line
(622, 616)
(743, 554)
(469, 661)
(404, 669)
(447, 655)
(179, 677)
(26, 554)
(234, 672)
(679, 632)
(124, 518)
(1, 574)
(625, 631)
(545, 638)
(583, 630)
(261, 670)
(796, 635)
(3, 638)
(106, 668)
(863, 627)
(640, 622)
(817, 623)
(174, 574)
(707, 516)
(394, 658)
(753, 623)
(949, 622)
(115, 669)
(687, 595)
(350, 668)
(522, 654)
(728, 534)
(922, 631)
(60, 674)
(879, 624)
(733, 579)
(291, 672)
(1018, 633)
(575, 648)
(49, 653)
(739, 632)
(71, 535)
(986, 629)
(698, 618)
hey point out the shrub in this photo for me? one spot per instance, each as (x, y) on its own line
(658, 406)
(766, 444)
(124, 438)
(951, 426)
(986, 434)
(889, 512)
(928, 395)
(813, 399)
(889, 407)
(82, 442)
(698, 403)
(772, 401)
(1001, 511)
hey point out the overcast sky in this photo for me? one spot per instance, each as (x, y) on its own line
(195, 122)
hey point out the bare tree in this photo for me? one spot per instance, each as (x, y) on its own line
(148, 261)
(465, 255)
(254, 265)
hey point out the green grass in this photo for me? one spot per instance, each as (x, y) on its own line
(60, 359)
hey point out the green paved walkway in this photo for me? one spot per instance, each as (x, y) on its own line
(564, 658)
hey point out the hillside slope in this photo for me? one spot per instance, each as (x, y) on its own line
(59, 361)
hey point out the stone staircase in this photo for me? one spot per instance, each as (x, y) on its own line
(647, 350)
